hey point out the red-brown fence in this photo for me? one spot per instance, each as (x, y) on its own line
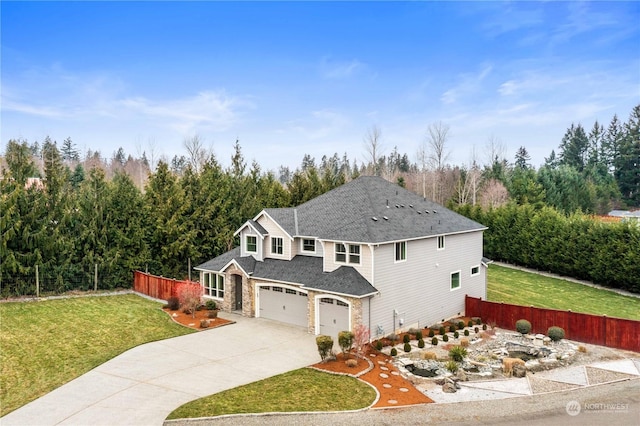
(598, 330)
(154, 286)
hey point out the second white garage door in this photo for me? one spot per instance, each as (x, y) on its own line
(334, 317)
(284, 304)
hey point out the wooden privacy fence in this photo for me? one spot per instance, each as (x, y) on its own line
(154, 286)
(598, 330)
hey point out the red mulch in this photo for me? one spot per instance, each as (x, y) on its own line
(407, 396)
(188, 321)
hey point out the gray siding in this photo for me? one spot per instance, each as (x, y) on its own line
(419, 288)
(275, 231)
(259, 243)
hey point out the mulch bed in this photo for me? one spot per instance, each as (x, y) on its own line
(188, 320)
(394, 390)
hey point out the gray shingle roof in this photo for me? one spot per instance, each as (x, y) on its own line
(346, 214)
(305, 270)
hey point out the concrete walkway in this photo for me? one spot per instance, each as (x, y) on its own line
(143, 385)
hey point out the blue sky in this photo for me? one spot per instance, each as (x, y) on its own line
(296, 78)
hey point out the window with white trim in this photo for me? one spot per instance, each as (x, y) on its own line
(213, 285)
(354, 254)
(252, 244)
(276, 245)
(341, 253)
(475, 270)
(309, 245)
(290, 291)
(341, 303)
(441, 242)
(401, 251)
(455, 280)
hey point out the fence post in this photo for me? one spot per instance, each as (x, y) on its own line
(37, 283)
(95, 277)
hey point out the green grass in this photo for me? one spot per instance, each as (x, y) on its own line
(48, 343)
(524, 288)
(299, 390)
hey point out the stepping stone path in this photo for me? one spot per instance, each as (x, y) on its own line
(384, 376)
(403, 390)
(381, 362)
(392, 401)
(386, 385)
(395, 373)
(384, 369)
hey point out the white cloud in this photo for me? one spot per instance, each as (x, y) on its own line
(468, 84)
(340, 70)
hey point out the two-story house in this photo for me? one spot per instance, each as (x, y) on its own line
(368, 252)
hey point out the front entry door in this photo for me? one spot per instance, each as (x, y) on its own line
(238, 290)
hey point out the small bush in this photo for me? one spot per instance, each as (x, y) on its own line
(428, 355)
(325, 346)
(445, 338)
(460, 325)
(464, 342)
(406, 338)
(555, 333)
(205, 323)
(394, 352)
(452, 366)
(523, 326)
(419, 335)
(452, 329)
(407, 347)
(457, 353)
(434, 341)
(379, 345)
(582, 349)
(413, 331)
(477, 330)
(173, 303)
(345, 341)
(466, 332)
(456, 334)
(442, 331)
(213, 314)
(477, 320)
(484, 326)
(431, 333)
(421, 343)
(393, 337)
(211, 305)
(470, 324)
(351, 363)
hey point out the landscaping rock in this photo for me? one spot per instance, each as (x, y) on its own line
(449, 387)
(461, 375)
(519, 370)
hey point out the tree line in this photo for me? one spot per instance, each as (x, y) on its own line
(161, 215)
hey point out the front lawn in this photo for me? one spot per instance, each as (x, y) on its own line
(45, 344)
(524, 288)
(299, 390)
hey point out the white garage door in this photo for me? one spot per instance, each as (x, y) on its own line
(334, 317)
(284, 304)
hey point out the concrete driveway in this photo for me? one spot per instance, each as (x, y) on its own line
(143, 385)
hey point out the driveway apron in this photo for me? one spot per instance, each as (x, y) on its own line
(143, 385)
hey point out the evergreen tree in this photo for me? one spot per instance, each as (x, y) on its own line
(19, 161)
(574, 147)
(522, 158)
(69, 151)
(628, 162)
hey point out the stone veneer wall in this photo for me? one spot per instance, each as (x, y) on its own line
(229, 303)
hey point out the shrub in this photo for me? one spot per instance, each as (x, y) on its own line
(407, 347)
(460, 325)
(421, 343)
(445, 338)
(431, 333)
(394, 352)
(211, 305)
(523, 326)
(452, 328)
(456, 334)
(189, 296)
(325, 345)
(484, 326)
(466, 332)
(428, 355)
(419, 335)
(379, 345)
(452, 366)
(205, 323)
(555, 333)
(406, 338)
(442, 331)
(464, 342)
(393, 337)
(478, 321)
(413, 331)
(582, 349)
(476, 330)
(457, 353)
(470, 324)
(345, 341)
(213, 314)
(351, 363)
(173, 303)
(434, 341)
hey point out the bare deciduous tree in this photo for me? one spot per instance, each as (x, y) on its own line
(438, 133)
(196, 152)
(373, 146)
(494, 194)
(495, 150)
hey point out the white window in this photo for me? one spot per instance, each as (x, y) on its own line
(213, 285)
(441, 242)
(290, 291)
(309, 245)
(475, 270)
(341, 253)
(327, 300)
(252, 244)
(341, 303)
(455, 280)
(354, 254)
(276, 245)
(401, 251)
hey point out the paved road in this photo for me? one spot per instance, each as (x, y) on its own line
(545, 409)
(143, 385)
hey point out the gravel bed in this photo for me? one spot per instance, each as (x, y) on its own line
(539, 385)
(598, 375)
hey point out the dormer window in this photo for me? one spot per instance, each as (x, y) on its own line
(341, 253)
(309, 245)
(252, 244)
(276, 245)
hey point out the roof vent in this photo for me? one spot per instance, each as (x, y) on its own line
(419, 212)
(375, 219)
(435, 212)
(411, 205)
(402, 205)
(397, 206)
(385, 218)
(427, 211)
(387, 203)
